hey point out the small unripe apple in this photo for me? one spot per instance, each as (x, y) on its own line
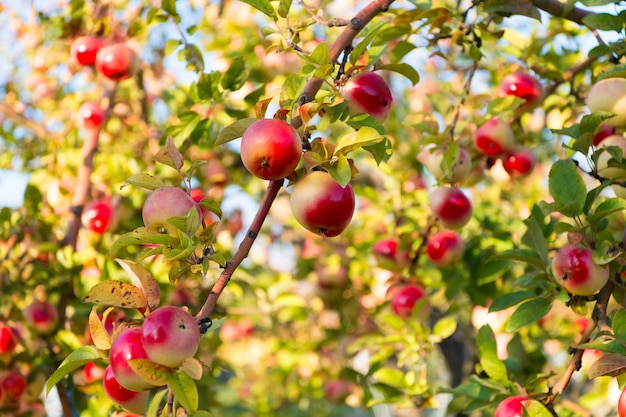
(368, 92)
(8, 341)
(90, 116)
(84, 50)
(169, 335)
(321, 205)
(271, 149)
(163, 204)
(126, 346)
(433, 158)
(41, 316)
(621, 404)
(511, 406)
(525, 86)
(608, 95)
(13, 384)
(612, 171)
(133, 401)
(404, 299)
(574, 270)
(117, 61)
(388, 256)
(494, 137)
(519, 162)
(451, 207)
(445, 248)
(97, 216)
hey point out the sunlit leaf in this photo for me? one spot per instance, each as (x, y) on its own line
(77, 359)
(116, 294)
(142, 279)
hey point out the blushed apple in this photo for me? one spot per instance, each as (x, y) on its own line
(367, 92)
(519, 162)
(602, 132)
(169, 335)
(163, 204)
(451, 207)
(404, 299)
(573, 269)
(445, 248)
(126, 346)
(337, 390)
(321, 205)
(133, 401)
(97, 216)
(388, 256)
(41, 316)
(271, 149)
(84, 50)
(117, 61)
(432, 159)
(525, 86)
(511, 406)
(608, 95)
(13, 383)
(90, 115)
(494, 137)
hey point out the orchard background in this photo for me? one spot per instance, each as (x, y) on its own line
(295, 323)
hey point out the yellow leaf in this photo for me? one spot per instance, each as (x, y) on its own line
(99, 335)
(151, 372)
(116, 294)
(143, 280)
(192, 367)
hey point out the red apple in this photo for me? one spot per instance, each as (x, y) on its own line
(133, 401)
(602, 132)
(511, 406)
(8, 341)
(117, 61)
(163, 204)
(41, 316)
(271, 149)
(574, 270)
(445, 248)
(494, 137)
(90, 116)
(388, 256)
(126, 346)
(367, 92)
(196, 195)
(170, 334)
(621, 404)
(97, 216)
(13, 384)
(519, 162)
(321, 205)
(525, 86)
(404, 299)
(337, 390)
(608, 95)
(451, 206)
(432, 159)
(84, 50)
(92, 372)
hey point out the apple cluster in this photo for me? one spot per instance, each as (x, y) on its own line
(167, 337)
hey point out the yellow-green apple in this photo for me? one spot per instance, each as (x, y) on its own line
(117, 61)
(41, 316)
(271, 149)
(573, 269)
(494, 137)
(126, 346)
(432, 158)
(608, 95)
(163, 204)
(90, 115)
(445, 248)
(511, 406)
(368, 92)
(321, 205)
(97, 216)
(519, 162)
(525, 86)
(607, 166)
(84, 50)
(451, 207)
(404, 299)
(169, 335)
(133, 401)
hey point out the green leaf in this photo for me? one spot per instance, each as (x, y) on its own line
(265, 7)
(234, 131)
(381, 151)
(534, 408)
(141, 236)
(371, 31)
(603, 21)
(445, 327)
(535, 239)
(404, 69)
(320, 55)
(491, 270)
(528, 312)
(508, 300)
(613, 72)
(146, 181)
(488, 354)
(512, 7)
(619, 324)
(390, 376)
(185, 391)
(236, 75)
(522, 255)
(169, 6)
(609, 364)
(78, 358)
(567, 188)
(341, 171)
(155, 374)
(155, 404)
(355, 140)
(283, 8)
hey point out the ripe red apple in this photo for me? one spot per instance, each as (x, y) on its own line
(337, 390)
(321, 205)
(117, 61)
(602, 132)
(8, 341)
(608, 95)
(367, 92)
(164, 203)
(494, 137)
(13, 384)
(432, 159)
(90, 115)
(445, 248)
(97, 216)
(574, 270)
(621, 404)
(133, 401)
(170, 334)
(519, 162)
(84, 50)
(525, 86)
(271, 149)
(451, 206)
(92, 372)
(388, 256)
(511, 406)
(126, 346)
(41, 316)
(404, 299)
